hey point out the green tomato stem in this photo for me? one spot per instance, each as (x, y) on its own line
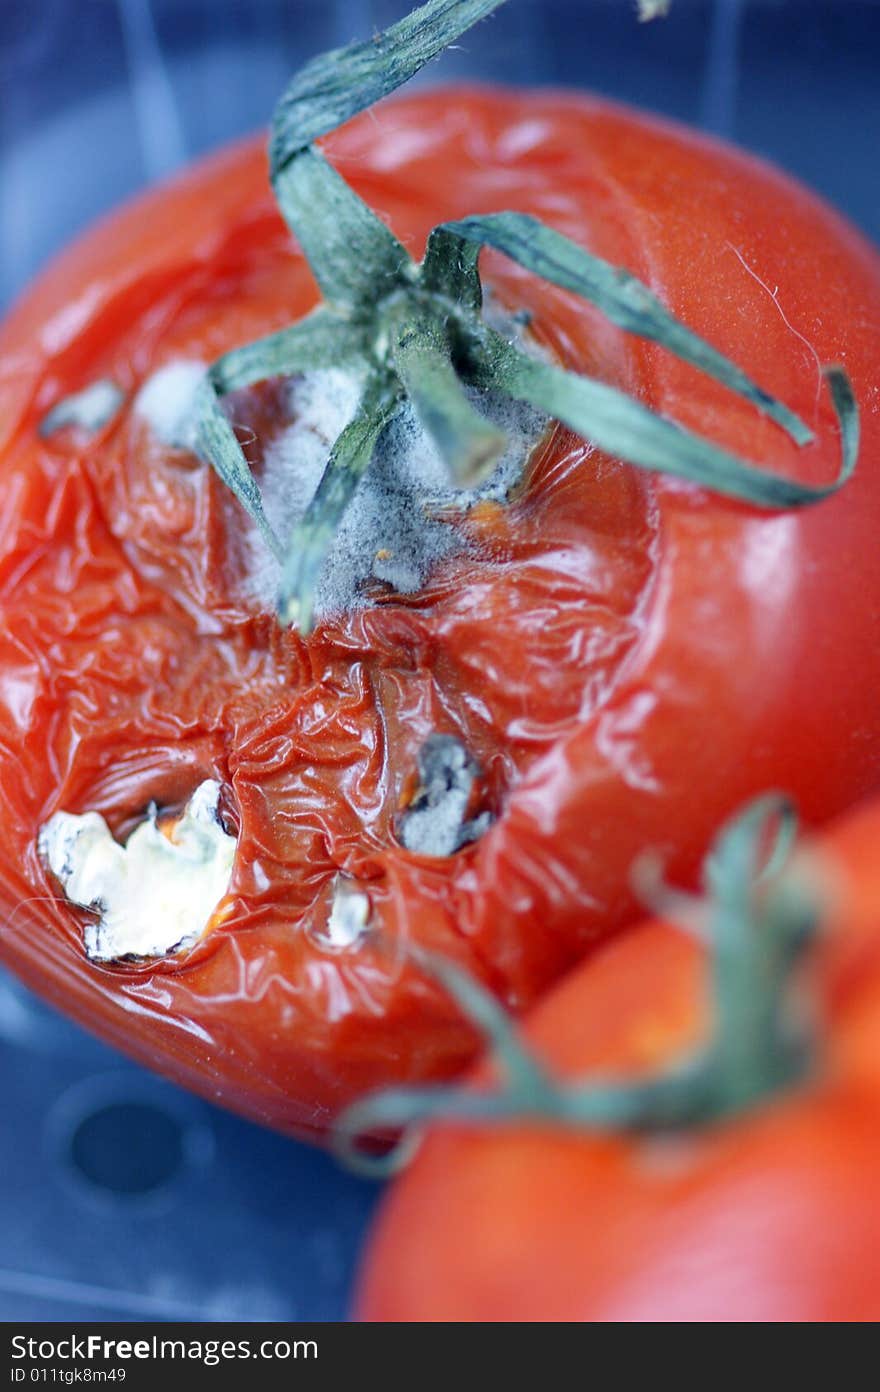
(420, 352)
(419, 328)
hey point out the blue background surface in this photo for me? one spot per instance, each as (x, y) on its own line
(120, 1196)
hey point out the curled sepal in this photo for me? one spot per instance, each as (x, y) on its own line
(751, 848)
(761, 926)
(320, 340)
(484, 1011)
(217, 443)
(760, 920)
(666, 901)
(421, 355)
(316, 529)
(337, 85)
(353, 256)
(417, 329)
(623, 427)
(402, 1111)
(450, 269)
(528, 1088)
(621, 297)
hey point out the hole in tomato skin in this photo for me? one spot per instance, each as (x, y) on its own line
(472, 653)
(117, 770)
(512, 646)
(154, 896)
(443, 811)
(169, 810)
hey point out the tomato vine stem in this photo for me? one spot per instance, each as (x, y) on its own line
(393, 319)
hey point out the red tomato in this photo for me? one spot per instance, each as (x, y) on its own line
(627, 657)
(770, 1215)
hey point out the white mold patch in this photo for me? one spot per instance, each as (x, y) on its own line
(166, 401)
(90, 409)
(153, 896)
(394, 529)
(349, 916)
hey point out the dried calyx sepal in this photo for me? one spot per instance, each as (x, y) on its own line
(415, 331)
(757, 918)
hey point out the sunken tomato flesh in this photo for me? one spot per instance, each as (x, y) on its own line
(625, 657)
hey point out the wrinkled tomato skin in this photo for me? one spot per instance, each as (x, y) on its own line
(770, 1216)
(627, 657)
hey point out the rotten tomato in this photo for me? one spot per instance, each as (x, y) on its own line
(523, 661)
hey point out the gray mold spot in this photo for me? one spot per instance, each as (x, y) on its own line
(90, 409)
(435, 823)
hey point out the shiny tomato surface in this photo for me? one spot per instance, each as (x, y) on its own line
(626, 657)
(771, 1215)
